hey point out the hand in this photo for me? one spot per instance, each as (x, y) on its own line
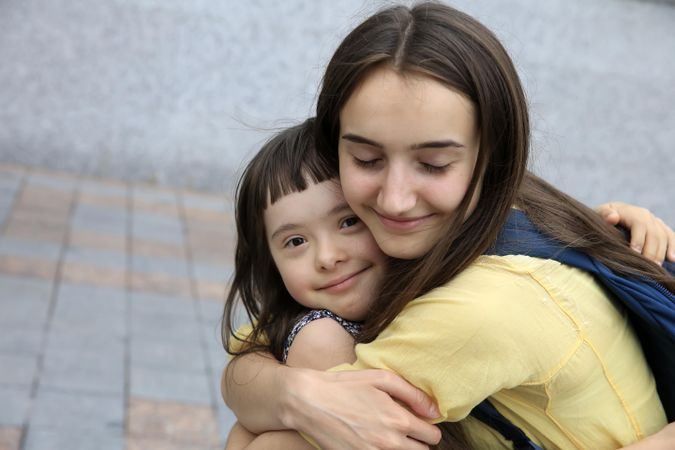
(648, 234)
(357, 410)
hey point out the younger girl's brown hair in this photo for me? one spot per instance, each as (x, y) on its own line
(287, 163)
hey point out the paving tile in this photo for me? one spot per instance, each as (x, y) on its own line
(28, 267)
(18, 339)
(154, 194)
(214, 292)
(35, 230)
(83, 370)
(109, 188)
(90, 316)
(12, 170)
(25, 301)
(88, 274)
(182, 386)
(100, 219)
(77, 411)
(52, 180)
(17, 369)
(15, 287)
(150, 303)
(160, 354)
(173, 421)
(15, 401)
(10, 438)
(167, 266)
(98, 297)
(202, 219)
(100, 258)
(160, 284)
(207, 202)
(212, 272)
(9, 186)
(167, 210)
(212, 255)
(84, 342)
(101, 200)
(141, 247)
(171, 328)
(29, 248)
(155, 227)
(45, 198)
(41, 438)
(84, 238)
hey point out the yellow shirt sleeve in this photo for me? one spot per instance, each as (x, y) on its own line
(464, 341)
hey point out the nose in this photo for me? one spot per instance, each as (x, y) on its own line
(329, 253)
(397, 192)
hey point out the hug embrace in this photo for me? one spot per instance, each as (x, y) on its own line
(366, 245)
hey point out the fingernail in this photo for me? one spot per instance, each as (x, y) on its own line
(637, 248)
(434, 412)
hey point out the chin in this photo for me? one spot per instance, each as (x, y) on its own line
(403, 250)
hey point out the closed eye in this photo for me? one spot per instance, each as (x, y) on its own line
(431, 168)
(366, 164)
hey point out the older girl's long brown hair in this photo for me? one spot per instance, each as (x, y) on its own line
(435, 40)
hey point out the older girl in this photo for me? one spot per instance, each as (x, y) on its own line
(423, 113)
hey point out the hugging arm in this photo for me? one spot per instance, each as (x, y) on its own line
(325, 405)
(649, 235)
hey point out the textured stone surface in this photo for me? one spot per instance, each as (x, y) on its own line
(183, 92)
(93, 316)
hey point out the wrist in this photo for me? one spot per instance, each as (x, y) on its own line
(293, 384)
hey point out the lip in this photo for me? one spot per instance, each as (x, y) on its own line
(402, 223)
(342, 283)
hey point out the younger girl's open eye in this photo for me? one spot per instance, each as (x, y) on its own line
(295, 241)
(349, 222)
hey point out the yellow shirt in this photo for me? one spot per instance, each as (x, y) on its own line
(544, 341)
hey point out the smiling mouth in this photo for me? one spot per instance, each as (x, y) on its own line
(343, 282)
(402, 223)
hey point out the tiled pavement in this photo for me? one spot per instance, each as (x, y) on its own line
(110, 299)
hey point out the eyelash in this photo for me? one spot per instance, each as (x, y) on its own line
(429, 168)
(357, 220)
(369, 164)
(435, 169)
(288, 243)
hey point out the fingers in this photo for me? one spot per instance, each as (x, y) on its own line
(608, 213)
(649, 235)
(415, 399)
(424, 432)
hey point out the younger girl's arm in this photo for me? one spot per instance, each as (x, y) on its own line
(266, 394)
(320, 345)
(649, 235)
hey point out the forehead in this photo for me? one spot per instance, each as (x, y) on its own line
(305, 207)
(409, 106)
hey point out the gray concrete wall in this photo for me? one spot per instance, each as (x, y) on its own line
(183, 92)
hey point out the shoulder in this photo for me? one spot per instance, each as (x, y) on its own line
(321, 344)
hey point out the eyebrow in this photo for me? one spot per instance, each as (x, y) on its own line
(291, 226)
(445, 143)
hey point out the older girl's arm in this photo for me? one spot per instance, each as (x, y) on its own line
(341, 410)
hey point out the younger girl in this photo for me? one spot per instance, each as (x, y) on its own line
(316, 267)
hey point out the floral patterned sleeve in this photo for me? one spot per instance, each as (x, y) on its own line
(352, 328)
